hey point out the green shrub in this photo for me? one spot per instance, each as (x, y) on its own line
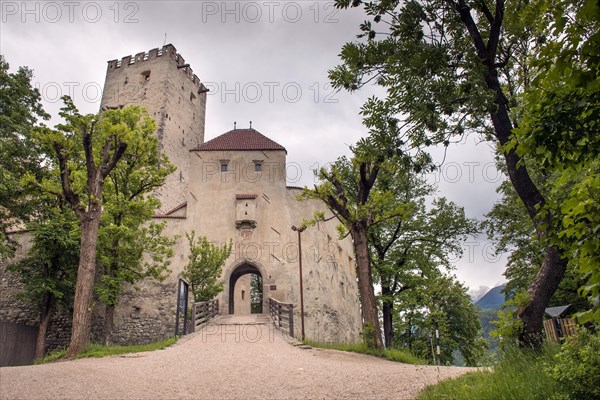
(577, 367)
(99, 350)
(368, 336)
(518, 374)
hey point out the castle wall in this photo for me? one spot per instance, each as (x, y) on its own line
(13, 308)
(173, 96)
(242, 295)
(253, 208)
(215, 208)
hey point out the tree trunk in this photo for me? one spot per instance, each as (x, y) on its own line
(541, 290)
(553, 266)
(388, 316)
(365, 283)
(40, 344)
(84, 291)
(109, 315)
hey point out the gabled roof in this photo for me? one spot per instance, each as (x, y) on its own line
(172, 214)
(240, 139)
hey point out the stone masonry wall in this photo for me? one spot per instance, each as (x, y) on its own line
(145, 313)
(13, 308)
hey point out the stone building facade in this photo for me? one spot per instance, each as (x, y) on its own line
(232, 187)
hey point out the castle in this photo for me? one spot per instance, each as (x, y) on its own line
(232, 187)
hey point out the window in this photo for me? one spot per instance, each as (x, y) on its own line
(258, 166)
(224, 164)
(145, 76)
(192, 97)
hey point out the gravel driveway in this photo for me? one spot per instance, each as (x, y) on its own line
(232, 358)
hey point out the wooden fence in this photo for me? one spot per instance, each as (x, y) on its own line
(556, 329)
(17, 344)
(282, 315)
(203, 312)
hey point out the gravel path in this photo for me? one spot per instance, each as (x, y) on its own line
(232, 358)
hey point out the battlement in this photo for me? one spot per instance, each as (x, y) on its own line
(169, 51)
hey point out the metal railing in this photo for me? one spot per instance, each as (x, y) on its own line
(282, 315)
(202, 312)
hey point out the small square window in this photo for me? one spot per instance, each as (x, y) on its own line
(257, 165)
(224, 164)
(145, 76)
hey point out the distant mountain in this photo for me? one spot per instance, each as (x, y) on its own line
(493, 299)
(478, 293)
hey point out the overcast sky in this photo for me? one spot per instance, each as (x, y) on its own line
(265, 62)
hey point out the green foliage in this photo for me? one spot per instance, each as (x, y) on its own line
(442, 302)
(204, 268)
(577, 367)
(567, 372)
(559, 129)
(87, 148)
(421, 53)
(256, 294)
(398, 355)
(51, 265)
(368, 335)
(98, 350)
(519, 374)
(131, 253)
(130, 249)
(509, 327)
(20, 111)
(350, 189)
(513, 232)
(451, 68)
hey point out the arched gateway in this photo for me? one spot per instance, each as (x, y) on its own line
(250, 292)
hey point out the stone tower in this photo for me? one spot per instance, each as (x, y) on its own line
(166, 86)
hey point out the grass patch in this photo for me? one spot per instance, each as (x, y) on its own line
(98, 350)
(398, 355)
(517, 375)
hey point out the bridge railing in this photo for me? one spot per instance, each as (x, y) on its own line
(282, 315)
(202, 312)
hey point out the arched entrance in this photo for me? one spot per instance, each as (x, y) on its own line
(251, 294)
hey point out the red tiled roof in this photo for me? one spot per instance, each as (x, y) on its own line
(240, 139)
(168, 213)
(245, 196)
(158, 216)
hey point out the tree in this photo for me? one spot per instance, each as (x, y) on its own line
(205, 266)
(451, 67)
(440, 302)
(513, 232)
(405, 250)
(20, 111)
(87, 148)
(559, 128)
(48, 273)
(129, 248)
(348, 188)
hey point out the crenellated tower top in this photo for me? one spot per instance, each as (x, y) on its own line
(169, 51)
